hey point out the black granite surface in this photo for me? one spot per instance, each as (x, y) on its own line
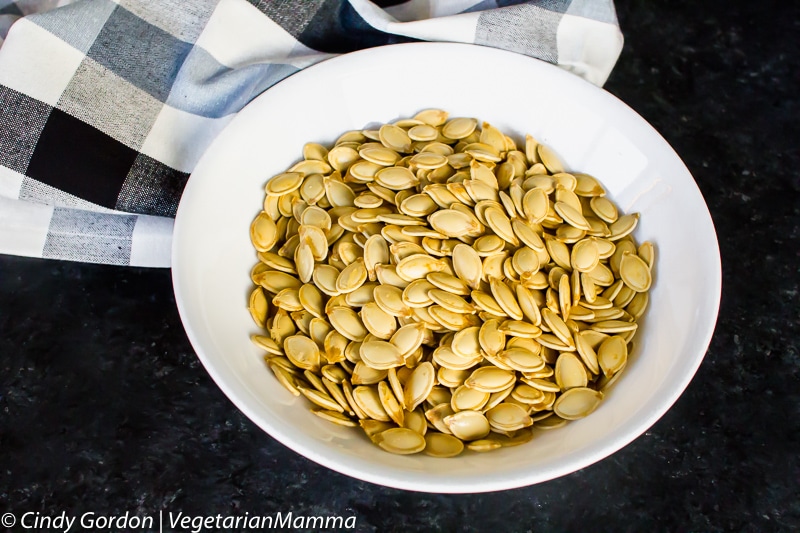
(104, 407)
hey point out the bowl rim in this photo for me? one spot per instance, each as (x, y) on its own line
(632, 430)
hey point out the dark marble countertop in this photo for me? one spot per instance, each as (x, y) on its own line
(105, 408)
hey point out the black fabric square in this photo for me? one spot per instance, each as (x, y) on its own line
(152, 188)
(22, 119)
(331, 26)
(80, 160)
(338, 28)
(11, 9)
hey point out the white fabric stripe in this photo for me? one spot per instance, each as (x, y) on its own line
(23, 227)
(588, 48)
(151, 242)
(10, 182)
(178, 138)
(42, 76)
(257, 38)
(458, 28)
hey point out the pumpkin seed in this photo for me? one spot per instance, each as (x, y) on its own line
(508, 417)
(612, 355)
(459, 128)
(490, 379)
(570, 372)
(577, 403)
(401, 441)
(467, 425)
(443, 445)
(635, 272)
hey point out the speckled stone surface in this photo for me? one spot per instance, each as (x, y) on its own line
(105, 408)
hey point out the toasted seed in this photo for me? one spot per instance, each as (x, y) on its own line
(484, 445)
(586, 352)
(635, 272)
(488, 245)
(465, 398)
(623, 226)
(408, 338)
(453, 223)
(419, 385)
(352, 277)
(401, 441)
(604, 209)
(505, 298)
(585, 255)
(557, 326)
(614, 326)
(390, 403)
(451, 320)
(377, 321)
(497, 220)
(416, 421)
(445, 357)
(266, 343)
(612, 355)
(449, 301)
(577, 403)
(380, 355)
(491, 339)
(263, 232)
(258, 306)
(468, 425)
(647, 252)
(466, 343)
(288, 300)
(395, 138)
(638, 305)
(571, 216)
(526, 394)
(302, 352)
(467, 265)
(488, 304)
(570, 372)
(521, 359)
(508, 417)
(390, 299)
(490, 379)
(519, 328)
(451, 378)
(432, 117)
(416, 293)
(443, 445)
(284, 183)
(348, 323)
(459, 128)
(368, 400)
(418, 266)
(550, 159)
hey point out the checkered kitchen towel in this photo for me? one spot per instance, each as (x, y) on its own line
(106, 105)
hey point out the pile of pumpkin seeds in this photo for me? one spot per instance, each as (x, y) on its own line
(444, 288)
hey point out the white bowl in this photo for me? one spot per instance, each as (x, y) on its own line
(591, 130)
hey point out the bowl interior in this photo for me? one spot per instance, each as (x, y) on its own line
(591, 130)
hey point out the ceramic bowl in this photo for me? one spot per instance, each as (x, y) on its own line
(591, 130)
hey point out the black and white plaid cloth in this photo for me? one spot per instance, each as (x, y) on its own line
(106, 105)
